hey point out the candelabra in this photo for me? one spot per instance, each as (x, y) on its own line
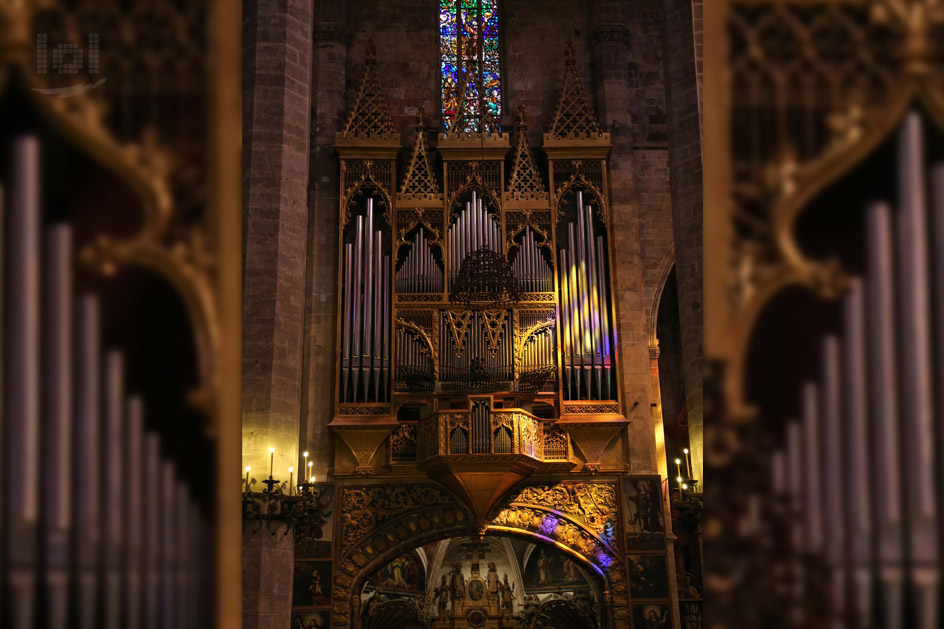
(303, 507)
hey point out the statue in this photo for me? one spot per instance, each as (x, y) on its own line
(492, 580)
(457, 583)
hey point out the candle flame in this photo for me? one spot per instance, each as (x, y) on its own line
(247, 468)
(271, 450)
(312, 479)
(291, 469)
(305, 453)
(685, 450)
(678, 461)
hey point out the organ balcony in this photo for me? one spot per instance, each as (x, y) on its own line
(481, 452)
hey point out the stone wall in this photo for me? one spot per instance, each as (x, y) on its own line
(276, 91)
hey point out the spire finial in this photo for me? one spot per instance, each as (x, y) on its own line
(569, 51)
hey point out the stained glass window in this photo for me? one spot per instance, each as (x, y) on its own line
(471, 72)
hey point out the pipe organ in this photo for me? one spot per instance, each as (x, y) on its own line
(500, 285)
(443, 349)
(583, 304)
(365, 365)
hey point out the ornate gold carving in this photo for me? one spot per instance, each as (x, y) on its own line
(365, 176)
(525, 182)
(523, 336)
(592, 439)
(484, 176)
(403, 443)
(559, 529)
(593, 408)
(421, 333)
(459, 328)
(556, 443)
(407, 219)
(573, 116)
(364, 409)
(413, 298)
(369, 119)
(363, 443)
(538, 220)
(493, 322)
(537, 297)
(364, 509)
(419, 179)
(593, 505)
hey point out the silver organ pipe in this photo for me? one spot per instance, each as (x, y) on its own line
(414, 362)
(871, 410)
(583, 304)
(365, 354)
(473, 229)
(73, 464)
(419, 272)
(531, 269)
(479, 425)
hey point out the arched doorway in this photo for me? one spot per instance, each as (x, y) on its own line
(489, 581)
(383, 524)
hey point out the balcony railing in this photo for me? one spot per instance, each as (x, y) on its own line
(480, 430)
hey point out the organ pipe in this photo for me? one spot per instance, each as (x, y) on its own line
(474, 228)
(587, 355)
(859, 472)
(419, 272)
(365, 354)
(530, 268)
(73, 444)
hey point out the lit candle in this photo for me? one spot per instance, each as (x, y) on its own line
(312, 479)
(679, 479)
(310, 470)
(290, 470)
(305, 465)
(678, 467)
(688, 462)
(247, 477)
(271, 461)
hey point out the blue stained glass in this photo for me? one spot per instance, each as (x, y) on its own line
(469, 61)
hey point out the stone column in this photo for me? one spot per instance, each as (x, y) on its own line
(328, 109)
(276, 110)
(610, 37)
(683, 104)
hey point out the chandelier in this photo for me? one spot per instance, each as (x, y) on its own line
(486, 280)
(302, 507)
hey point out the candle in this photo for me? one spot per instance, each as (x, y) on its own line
(290, 470)
(678, 467)
(310, 470)
(247, 477)
(271, 461)
(688, 462)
